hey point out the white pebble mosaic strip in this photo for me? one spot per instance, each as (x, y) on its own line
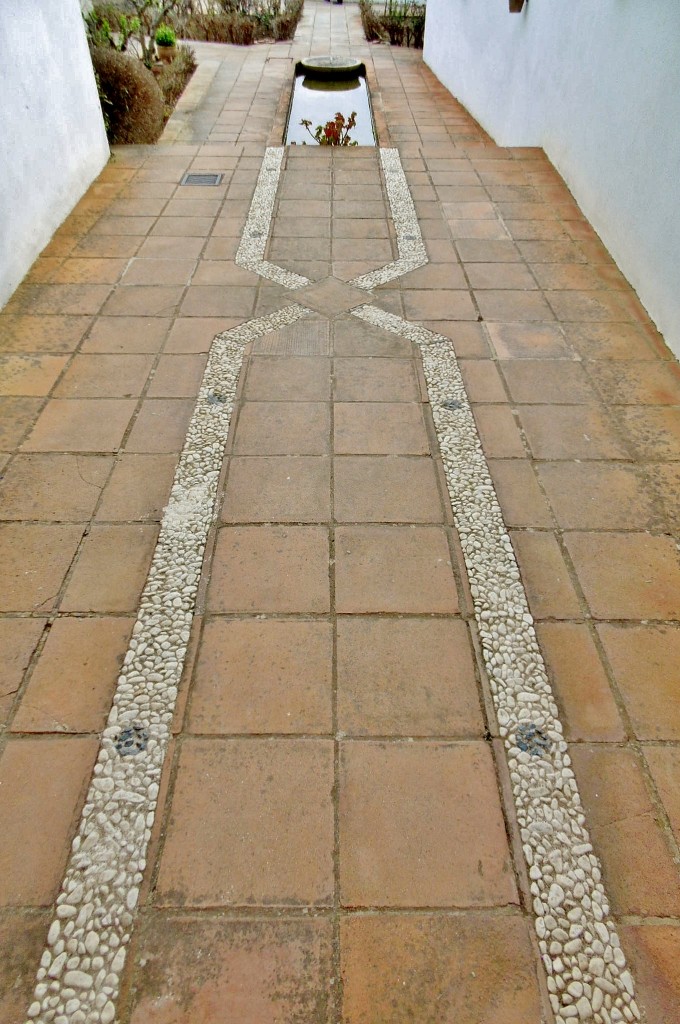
(80, 969)
(412, 252)
(253, 243)
(586, 969)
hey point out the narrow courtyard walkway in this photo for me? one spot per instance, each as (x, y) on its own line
(352, 482)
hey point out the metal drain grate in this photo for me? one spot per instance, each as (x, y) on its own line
(201, 179)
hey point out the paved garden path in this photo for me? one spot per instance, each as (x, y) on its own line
(272, 454)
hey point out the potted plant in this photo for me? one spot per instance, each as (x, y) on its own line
(516, 6)
(166, 43)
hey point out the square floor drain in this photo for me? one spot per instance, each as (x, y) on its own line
(202, 179)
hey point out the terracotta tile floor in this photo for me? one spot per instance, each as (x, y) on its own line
(334, 840)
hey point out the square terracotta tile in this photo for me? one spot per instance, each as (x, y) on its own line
(499, 276)
(665, 479)
(645, 663)
(498, 431)
(394, 569)
(627, 575)
(571, 432)
(546, 579)
(535, 382)
(277, 490)
(520, 497)
(105, 376)
(429, 829)
(161, 425)
(111, 569)
(664, 765)
(609, 341)
(283, 428)
(188, 227)
(72, 685)
(529, 341)
(270, 569)
(89, 271)
(479, 250)
(34, 560)
(17, 415)
(489, 230)
(159, 271)
(354, 338)
(121, 246)
(118, 334)
(168, 247)
(64, 299)
(589, 711)
(406, 677)
(139, 488)
(375, 380)
(653, 433)
(42, 333)
(81, 425)
(377, 428)
(223, 272)
(22, 937)
(144, 300)
(653, 952)
(589, 306)
(389, 489)
(29, 375)
(18, 640)
(216, 301)
(277, 850)
(257, 676)
(639, 873)
(208, 970)
(551, 252)
(196, 334)
(57, 487)
(31, 869)
(178, 376)
(448, 276)
(482, 380)
(599, 496)
(637, 383)
(288, 378)
(438, 305)
(469, 968)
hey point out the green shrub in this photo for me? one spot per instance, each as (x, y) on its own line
(173, 78)
(373, 29)
(134, 101)
(401, 21)
(165, 36)
(286, 22)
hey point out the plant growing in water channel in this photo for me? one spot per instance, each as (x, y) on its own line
(335, 132)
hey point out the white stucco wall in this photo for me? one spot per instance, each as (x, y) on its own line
(596, 83)
(52, 139)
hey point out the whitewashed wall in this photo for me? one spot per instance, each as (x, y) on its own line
(52, 139)
(596, 83)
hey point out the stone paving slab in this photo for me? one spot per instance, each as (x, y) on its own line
(336, 837)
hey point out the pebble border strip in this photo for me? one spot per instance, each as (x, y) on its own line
(250, 253)
(80, 969)
(586, 969)
(412, 252)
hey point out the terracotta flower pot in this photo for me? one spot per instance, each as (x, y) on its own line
(166, 53)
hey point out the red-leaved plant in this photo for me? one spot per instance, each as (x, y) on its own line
(333, 133)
